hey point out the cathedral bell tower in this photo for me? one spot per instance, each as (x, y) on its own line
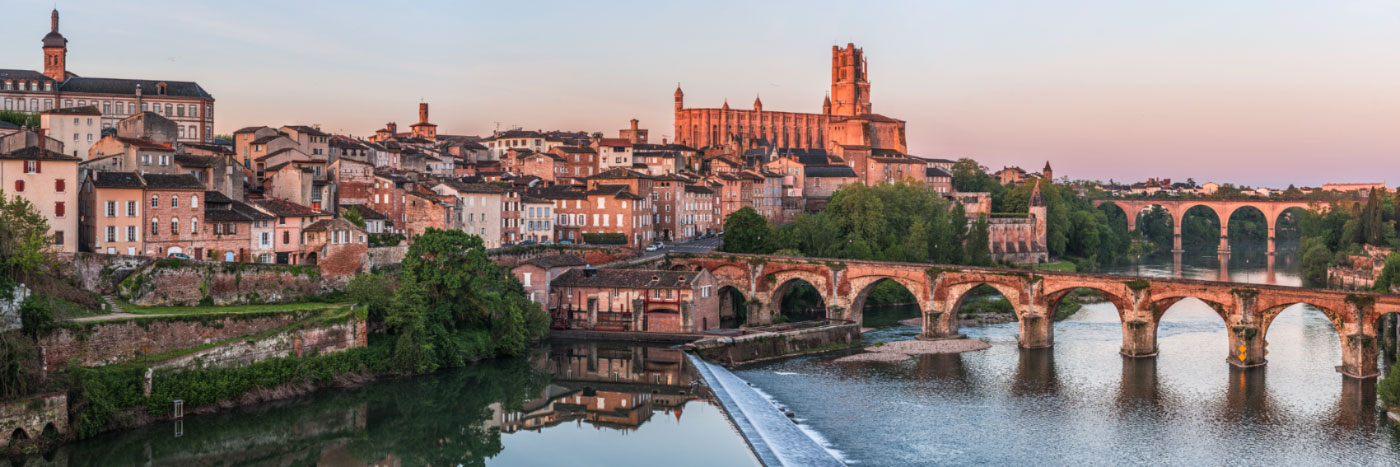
(55, 52)
(850, 90)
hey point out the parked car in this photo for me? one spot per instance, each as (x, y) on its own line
(654, 246)
(547, 242)
(527, 242)
(180, 256)
(566, 242)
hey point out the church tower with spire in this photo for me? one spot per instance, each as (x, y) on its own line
(55, 51)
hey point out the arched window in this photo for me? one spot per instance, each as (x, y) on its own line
(194, 225)
(174, 201)
(194, 201)
(155, 201)
(174, 226)
(155, 226)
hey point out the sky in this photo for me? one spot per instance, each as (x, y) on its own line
(1252, 92)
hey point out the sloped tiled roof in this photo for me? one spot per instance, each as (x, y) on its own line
(172, 182)
(625, 278)
(557, 261)
(117, 180)
(284, 208)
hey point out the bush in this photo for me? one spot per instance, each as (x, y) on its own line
(611, 238)
(36, 315)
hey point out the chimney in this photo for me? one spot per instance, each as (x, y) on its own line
(423, 112)
(392, 127)
(634, 124)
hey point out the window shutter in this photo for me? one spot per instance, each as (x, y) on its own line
(38, 166)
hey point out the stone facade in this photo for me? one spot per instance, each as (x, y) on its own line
(32, 417)
(191, 282)
(845, 119)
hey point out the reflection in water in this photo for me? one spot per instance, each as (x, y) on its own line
(1138, 388)
(582, 403)
(1035, 373)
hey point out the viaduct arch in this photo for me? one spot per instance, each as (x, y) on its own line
(1177, 208)
(1246, 309)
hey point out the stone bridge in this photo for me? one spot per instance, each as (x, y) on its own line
(25, 421)
(1223, 209)
(1246, 309)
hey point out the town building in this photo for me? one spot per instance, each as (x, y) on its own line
(536, 275)
(111, 207)
(478, 209)
(291, 219)
(336, 245)
(174, 215)
(39, 170)
(184, 102)
(635, 300)
(83, 123)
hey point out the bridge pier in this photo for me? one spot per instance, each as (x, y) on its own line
(1139, 338)
(1359, 354)
(1246, 346)
(940, 325)
(1224, 242)
(1037, 331)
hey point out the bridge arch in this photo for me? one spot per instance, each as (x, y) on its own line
(866, 284)
(1053, 297)
(733, 306)
(785, 280)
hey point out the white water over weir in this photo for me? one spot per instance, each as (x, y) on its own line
(775, 439)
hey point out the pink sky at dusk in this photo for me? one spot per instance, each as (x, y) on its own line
(1250, 92)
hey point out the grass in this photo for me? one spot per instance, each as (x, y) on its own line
(1060, 266)
(210, 309)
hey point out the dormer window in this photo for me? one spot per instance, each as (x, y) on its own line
(160, 89)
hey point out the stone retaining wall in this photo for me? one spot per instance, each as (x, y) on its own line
(104, 343)
(188, 283)
(749, 348)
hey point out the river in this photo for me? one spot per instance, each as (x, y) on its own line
(1078, 403)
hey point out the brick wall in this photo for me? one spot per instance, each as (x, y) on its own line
(513, 256)
(101, 273)
(32, 415)
(343, 260)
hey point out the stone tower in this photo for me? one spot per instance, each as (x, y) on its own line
(55, 51)
(1047, 173)
(850, 90)
(680, 98)
(1038, 214)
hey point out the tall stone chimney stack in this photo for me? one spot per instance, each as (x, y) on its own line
(423, 112)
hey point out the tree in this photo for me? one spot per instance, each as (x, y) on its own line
(979, 248)
(353, 215)
(23, 119)
(1316, 259)
(24, 241)
(1390, 275)
(454, 305)
(746, 231)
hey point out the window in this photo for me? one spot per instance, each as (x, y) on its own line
(194, 201)
(111, 209)
(194, 225)
(130, 209)
(111, 234)
(286, 238)
(266, 240)
(155, 201)
(130, 233)
(155, 226)
(33, 167)
(174, 201)
(19, 185)
(58, 238)
(59, 209)
(174, 226)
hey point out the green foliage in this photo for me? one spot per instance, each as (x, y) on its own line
(889, 293)
(1316, 259)
(385, 239)
(888, 222)
(353, 215)
(24, 241)
(1390, 274)
(746, 231)
(979, 249)
(36, 315)
(98, 395)
(1388, 389)
(454, 305)
(20, 368)
(373, 291)
(605, 238)
(24, 119)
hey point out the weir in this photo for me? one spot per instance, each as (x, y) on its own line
(774, 438)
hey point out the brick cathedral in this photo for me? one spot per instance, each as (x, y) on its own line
(845, 122)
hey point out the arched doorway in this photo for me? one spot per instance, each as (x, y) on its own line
(798, 300)
(228, 256)
(310, 259)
